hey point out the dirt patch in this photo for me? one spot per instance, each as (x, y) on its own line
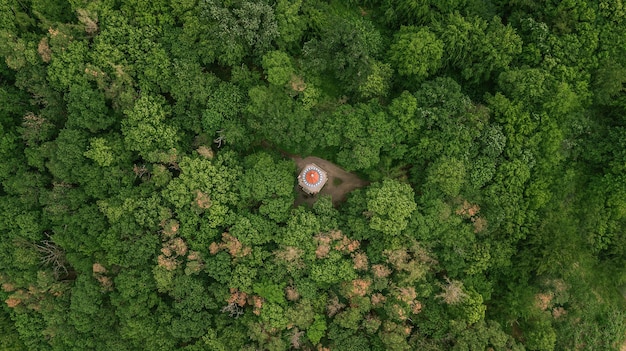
(340, 182)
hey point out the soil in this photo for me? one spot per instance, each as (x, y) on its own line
(340, 182)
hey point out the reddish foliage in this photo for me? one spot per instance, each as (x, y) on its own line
(378, 299)
(452, 292)
(178, 245)
(406, 294)
(171, 228)
(347, 245)
(237, 297)
(292, 293)
(8, 287)
(333, 306)
(97, 268)
(400, 313)
(257, 303)
(558, 312)
(322, 251)
(214, 248)
(322, 239)
(543, 301)
(12, 302)
(480, 224)
(336, 235)
(203, 200)
(105, 282)
(297, 83)
(193, 256)
(360, 261)
(205, 152)
(360, 287)
(290, 254)
(468, 210)
(416, 307)
(381, 271)
(295, 338)
(168, 263)
(166, 251)
(231, 244)
(397, 258)
(44, 50)
(234, 246)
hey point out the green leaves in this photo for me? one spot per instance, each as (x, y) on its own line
(477, 47)
(149, 145)
(278, 68)
(205, 187)
(449, 175)
(346, 48)
(234, 32)
(100, 152)
(390, 204)
(416, 52)
(87, 109)
(146, 131)
(316, 331)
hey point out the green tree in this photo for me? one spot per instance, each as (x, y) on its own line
(390, 204)
(345, 48)
(416, 52)
(235, 31)
(449, 175)
(278, 67)
(270, 183)
(87, 109)
(146, 131)
(477, 47)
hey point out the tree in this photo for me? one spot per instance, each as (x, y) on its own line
(232, 33)
(290, 22)
(269, 183)
(222, 117)
(416, 52)
(448, 174)
(87, 109)
(390, 204)
(365, 130)
(278, 68)
(477, 47)
(345, 48)
(278, 118)
(206, 188)
(146, 131)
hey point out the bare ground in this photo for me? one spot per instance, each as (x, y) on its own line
(340, 182)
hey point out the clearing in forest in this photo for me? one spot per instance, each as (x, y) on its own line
(340, 182)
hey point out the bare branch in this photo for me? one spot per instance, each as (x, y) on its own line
(220, 139)
(234, 311)
(52, 255)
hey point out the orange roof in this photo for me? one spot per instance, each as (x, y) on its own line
(312, 176)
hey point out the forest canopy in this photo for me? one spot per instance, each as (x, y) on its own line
(149, 197)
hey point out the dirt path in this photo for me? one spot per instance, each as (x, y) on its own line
(339, 184)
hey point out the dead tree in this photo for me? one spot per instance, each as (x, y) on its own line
(52, 255)
(234, 311)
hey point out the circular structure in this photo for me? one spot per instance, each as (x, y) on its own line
(312, 178)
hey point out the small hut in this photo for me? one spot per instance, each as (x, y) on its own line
(312, 179)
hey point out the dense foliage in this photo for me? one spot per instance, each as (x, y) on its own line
(147, 197)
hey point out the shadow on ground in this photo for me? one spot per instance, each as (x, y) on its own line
(340, 182)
